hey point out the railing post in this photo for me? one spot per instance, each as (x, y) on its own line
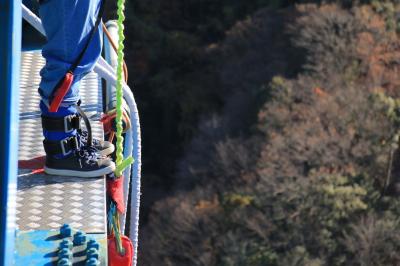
(10, 53)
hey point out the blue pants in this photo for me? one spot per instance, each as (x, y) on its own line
(67, 24)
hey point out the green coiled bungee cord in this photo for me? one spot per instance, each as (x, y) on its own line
(121, 164)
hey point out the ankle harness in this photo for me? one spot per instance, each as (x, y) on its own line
(66, 124)
(64, 146)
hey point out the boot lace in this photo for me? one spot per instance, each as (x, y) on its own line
(88, 155)
(83, 137)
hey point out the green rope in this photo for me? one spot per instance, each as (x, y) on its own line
(120, 162)
(114, 227)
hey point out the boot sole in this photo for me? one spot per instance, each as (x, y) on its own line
(66, 172)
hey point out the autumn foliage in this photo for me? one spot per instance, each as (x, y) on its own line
(290, 120)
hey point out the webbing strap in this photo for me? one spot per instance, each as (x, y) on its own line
(63, 124)
(63, 147)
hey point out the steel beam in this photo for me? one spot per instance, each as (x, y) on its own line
(10, 51)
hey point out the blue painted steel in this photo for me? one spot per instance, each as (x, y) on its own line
(10, 52)
(47, 247)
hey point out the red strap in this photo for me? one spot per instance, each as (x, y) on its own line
(34, 163)
(107, 122)
(61, 91)
(114, 259)
(115, 189)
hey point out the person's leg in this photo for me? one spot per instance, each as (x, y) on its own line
(68, 24)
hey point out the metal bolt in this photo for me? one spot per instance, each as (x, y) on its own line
(79, 238)
(65, 253)
(64, 262)
(93, 244)
(92, 253)
(66, 230)
(92, 262)
(66, 244)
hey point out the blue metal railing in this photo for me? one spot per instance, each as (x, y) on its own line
(10, 53)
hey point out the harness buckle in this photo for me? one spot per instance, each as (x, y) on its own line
(71, 122)
(67, 146)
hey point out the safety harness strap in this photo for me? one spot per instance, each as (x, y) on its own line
(63, 147)
(61, 124)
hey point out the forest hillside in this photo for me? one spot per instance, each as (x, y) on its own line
(271, 131)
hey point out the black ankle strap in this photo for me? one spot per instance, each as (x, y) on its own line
(63, 147)
(61, 124)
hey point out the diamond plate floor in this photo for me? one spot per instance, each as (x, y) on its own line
(46, 202)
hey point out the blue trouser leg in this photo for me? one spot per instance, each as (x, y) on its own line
(67, 24)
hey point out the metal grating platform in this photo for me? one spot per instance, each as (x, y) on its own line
(46, 202)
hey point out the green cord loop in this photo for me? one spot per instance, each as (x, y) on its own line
(121, 164)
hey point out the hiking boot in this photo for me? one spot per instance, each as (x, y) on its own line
(69, 158)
